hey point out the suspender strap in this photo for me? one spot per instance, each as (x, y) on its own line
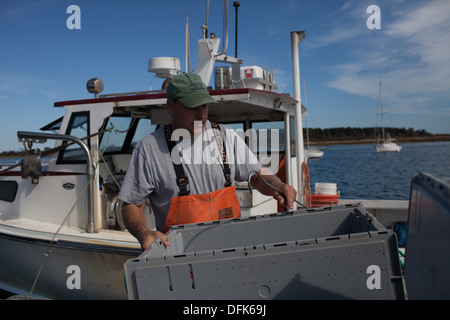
(182, 180)
(221, 145)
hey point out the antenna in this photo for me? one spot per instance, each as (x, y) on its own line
(188, 46)
(236, 5)
(205, 27)
(225, 43)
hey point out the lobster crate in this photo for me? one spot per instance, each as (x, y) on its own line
(339, 252)
(427, 257)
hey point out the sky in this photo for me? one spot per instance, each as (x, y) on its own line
(347, 51)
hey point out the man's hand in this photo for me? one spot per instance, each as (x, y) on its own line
(290, 195)
(150, 236)
(289, 192)
(134, 219)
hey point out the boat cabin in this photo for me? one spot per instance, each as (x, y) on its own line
(110, 125)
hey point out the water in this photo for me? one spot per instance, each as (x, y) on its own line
(361, 173)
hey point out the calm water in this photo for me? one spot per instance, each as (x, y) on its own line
(361, 173)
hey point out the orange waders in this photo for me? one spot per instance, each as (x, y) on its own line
(216, 205)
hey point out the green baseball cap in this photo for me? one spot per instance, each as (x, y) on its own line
(189, 89)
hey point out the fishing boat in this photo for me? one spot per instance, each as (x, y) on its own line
(62, 234)
(384, 142)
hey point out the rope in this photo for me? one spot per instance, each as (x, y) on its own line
(401, 229)
(10, 168)
(57, 149)
(46, 254)
(306, 184)
(56, 233)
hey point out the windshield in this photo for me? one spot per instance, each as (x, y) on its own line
(126, 133)
(79, 128)
(53, 126)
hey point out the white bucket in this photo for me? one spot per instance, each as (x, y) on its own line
(325, 188)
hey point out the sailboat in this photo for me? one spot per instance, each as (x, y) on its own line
(311, 153)
(383, 143)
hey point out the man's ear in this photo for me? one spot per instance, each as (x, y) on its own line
(171, 106)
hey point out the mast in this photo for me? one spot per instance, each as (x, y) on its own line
(382, 116)
(306, 118)
(188, 46)
(296, 38)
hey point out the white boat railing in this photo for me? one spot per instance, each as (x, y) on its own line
(41, 137)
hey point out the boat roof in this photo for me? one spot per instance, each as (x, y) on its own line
(217, 94)
(231, 102)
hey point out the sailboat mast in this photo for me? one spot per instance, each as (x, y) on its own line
(306, 118)
(382, 116)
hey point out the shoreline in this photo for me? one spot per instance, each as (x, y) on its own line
(437, 138)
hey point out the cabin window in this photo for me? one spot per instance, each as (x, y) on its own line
(79, 128)
(128, 131)
(8, 190)
(268, 143)
(234, 125)
(144, 128)
(270, 137)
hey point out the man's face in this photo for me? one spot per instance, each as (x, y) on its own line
(183, 117)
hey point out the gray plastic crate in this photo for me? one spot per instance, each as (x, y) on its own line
(427, 260)
(316, 254)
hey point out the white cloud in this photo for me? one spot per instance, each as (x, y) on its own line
(20, 9)
(27, 85)
(411, 58)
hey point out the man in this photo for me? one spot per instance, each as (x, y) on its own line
(182, 182)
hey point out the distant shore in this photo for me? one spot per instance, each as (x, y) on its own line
(436, 138)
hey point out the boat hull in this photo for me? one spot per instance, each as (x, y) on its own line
(313, 153)
(98, 271)
(388, 147)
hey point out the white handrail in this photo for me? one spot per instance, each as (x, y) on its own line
(41, 136)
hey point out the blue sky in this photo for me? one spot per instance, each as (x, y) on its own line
(341, 59)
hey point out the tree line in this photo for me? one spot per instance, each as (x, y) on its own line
(16, 153)
(349, 133)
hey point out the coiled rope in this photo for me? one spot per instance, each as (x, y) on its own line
(306, 185)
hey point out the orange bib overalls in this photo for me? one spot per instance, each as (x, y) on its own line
(216, 205)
